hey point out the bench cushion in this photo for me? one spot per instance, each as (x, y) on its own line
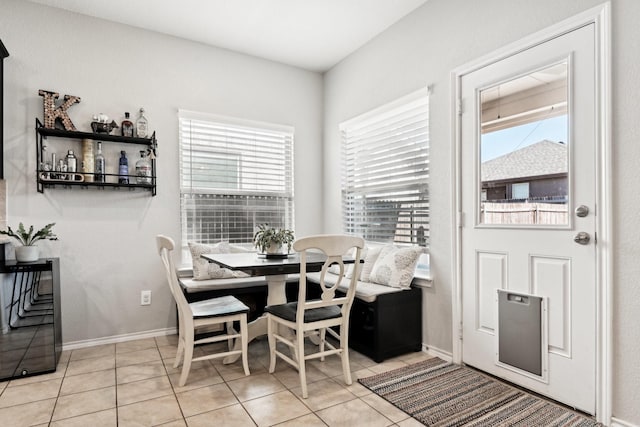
(365, 291)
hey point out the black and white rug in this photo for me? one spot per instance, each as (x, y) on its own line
(438, 393)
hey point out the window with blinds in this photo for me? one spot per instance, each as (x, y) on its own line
(385, 172)
(234, 175)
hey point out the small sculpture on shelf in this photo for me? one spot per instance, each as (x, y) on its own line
(100, 124)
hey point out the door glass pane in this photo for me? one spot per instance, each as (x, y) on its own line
(524, 150)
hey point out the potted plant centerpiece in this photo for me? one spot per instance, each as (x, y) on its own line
(28, 252)
(271, 240)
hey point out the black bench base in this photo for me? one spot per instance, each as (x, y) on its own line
(387, 327)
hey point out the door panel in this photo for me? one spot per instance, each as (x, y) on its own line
(527, 244)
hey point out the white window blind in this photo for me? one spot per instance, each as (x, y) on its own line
(385, 172)
(234, 175)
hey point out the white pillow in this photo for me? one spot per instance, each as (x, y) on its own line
(205, 270)
(395, 267)
(369, 260)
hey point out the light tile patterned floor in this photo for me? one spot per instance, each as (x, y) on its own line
(134, 384)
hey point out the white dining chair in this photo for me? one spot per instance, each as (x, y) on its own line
(316, 316)
(201, 315)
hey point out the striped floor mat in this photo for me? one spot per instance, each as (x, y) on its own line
(438, 393)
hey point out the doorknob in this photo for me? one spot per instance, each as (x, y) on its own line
(582, 238)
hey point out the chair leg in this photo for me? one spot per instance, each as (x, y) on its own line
(323, 336)
(188, 355)
(344, 354)
(179, 353)
(229, 327)
(301, 363)
(272, 343)
(244, 337)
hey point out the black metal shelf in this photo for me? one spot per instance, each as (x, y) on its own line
(61, 133)
(43, 133)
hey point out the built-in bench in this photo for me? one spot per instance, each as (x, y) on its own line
(250, 290)
(385, 322)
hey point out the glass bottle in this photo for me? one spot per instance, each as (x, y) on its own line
(88, 160)
(72, 165)
(143, 169)
(62, 168)
(142, 126)
(54, 166)
(100, 165)
(124, 168)
(127, 125)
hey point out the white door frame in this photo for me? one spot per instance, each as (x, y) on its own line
(600, 16)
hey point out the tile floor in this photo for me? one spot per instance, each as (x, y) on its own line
(134, 384)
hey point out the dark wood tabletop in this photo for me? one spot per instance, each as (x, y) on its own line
(259, 265)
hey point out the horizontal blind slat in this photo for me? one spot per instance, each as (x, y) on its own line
(233, 178)
(385, 171)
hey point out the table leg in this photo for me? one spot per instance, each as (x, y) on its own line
(276, 286)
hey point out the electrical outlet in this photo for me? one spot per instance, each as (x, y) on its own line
(145, 297)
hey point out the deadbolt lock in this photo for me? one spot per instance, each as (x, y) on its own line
(582, 211)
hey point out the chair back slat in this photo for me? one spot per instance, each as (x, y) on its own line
(335, 247)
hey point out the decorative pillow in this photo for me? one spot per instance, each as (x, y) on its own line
(363, 254)
(205, 270)
(369, 260)
(395, 267)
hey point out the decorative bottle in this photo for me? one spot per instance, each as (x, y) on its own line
(72, 165)
(142, 126)
(143, 169)
(87, 159)
(54, 166)
(127, 126)
(124, 168)
(100, 165)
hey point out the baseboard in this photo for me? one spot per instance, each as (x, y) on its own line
(73, 345)
(615, 422)
(434, 351)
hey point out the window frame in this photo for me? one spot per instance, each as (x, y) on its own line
(249, 199)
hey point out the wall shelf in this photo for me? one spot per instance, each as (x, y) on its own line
(43, 134)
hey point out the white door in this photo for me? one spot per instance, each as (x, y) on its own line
(520, 199)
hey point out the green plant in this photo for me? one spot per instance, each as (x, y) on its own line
(267, 236)
(28, 238)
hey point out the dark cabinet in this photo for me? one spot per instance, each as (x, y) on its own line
(387, 327)
(31, 335)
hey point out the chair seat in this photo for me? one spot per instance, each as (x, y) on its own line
(288, 312)
(216, 307)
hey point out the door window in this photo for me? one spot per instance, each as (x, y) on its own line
(524, 150)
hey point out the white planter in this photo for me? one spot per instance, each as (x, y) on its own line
(27, 253)
(275, 248)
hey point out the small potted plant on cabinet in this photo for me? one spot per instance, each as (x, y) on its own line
(271, 240)
(28, 252)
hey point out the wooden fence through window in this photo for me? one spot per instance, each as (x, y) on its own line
(524, 213)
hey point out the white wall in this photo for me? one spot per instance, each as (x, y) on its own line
(423, 49)
(107, 245)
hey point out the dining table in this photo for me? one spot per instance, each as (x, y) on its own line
(275, 269)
